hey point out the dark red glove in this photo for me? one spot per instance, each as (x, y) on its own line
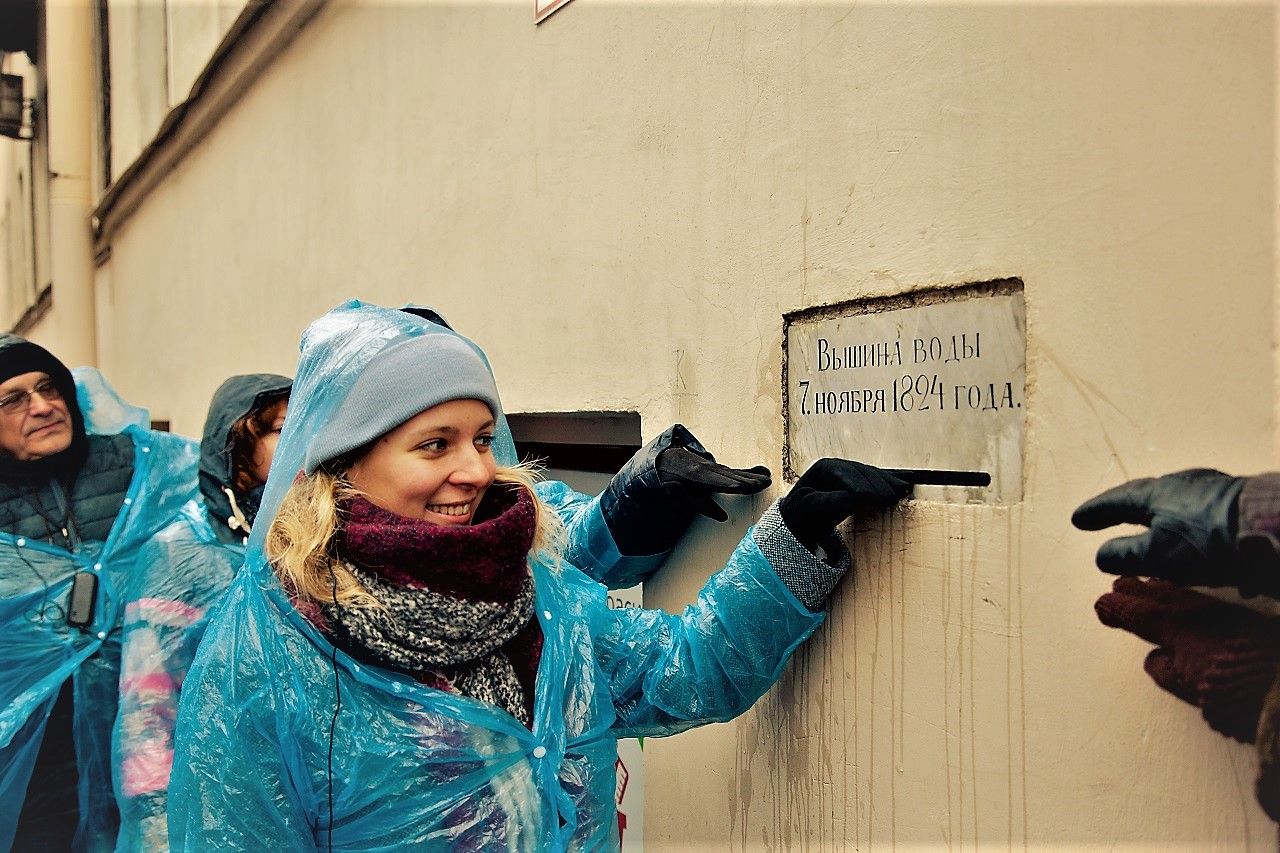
(1220, 657)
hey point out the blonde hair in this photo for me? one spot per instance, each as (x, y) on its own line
(299, 541)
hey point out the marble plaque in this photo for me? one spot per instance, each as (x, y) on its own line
(933, 380)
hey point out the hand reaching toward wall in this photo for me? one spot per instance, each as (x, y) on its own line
(1220, 657)
(1194, 533)
(831, 491)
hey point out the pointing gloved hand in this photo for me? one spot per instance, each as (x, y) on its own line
(1192, 519)
(650, 503)
(1220, 657)
(831, 491)
(691, 476)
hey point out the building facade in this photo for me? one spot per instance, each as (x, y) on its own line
(626, 205)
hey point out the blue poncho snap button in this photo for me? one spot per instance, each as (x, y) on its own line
(539, 752)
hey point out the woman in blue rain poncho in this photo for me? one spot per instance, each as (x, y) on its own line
(180, 573)
(82, 488)
(407, 659)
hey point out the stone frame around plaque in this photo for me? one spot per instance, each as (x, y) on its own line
(865, 362)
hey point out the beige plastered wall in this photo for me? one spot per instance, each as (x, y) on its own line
(157, 49)
(620, 205)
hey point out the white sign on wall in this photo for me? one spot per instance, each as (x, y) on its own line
(932, 380)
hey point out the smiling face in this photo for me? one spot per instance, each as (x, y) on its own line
(39, 424)
(434, 467)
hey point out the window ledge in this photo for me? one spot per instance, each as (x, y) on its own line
(263, 30)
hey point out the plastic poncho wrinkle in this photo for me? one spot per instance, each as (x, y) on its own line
(589, 543)
(181, 572)
(41, 651)
(105, 411)
(412, 767)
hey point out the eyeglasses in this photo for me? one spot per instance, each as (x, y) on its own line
(19, 401)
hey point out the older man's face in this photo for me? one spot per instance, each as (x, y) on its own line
(34, 419)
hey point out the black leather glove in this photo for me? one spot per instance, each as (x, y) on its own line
(650, 503)
(831, 491)
(1191, 516)
(691, 477)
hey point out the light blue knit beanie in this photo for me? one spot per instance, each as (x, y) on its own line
(408, 377)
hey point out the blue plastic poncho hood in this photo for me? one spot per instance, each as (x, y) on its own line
(335, 349)
(286, 742)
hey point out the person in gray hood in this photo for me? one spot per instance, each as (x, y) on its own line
(183, 572)
(240, 432)
(189, 564)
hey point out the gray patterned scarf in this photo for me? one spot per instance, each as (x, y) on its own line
(417, 629)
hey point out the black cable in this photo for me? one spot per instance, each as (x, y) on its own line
(51, 525)
(39, 615)
(69, 525)
(337, 705)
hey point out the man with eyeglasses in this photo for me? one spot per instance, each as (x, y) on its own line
(44, 427)
(75, 508)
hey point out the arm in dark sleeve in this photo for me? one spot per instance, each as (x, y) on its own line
(1258, 530)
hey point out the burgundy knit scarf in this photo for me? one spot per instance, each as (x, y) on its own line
(457, 602)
